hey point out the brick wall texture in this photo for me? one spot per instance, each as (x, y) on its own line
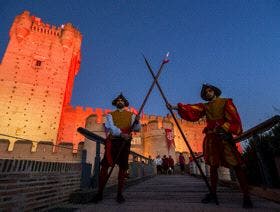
(35, 185)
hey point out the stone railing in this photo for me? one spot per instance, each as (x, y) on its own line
(140, 168)
(262, 164)
(27, 185)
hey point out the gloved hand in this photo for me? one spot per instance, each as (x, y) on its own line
(224, 135)
(171, 107)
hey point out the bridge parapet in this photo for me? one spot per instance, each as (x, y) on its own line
(261, 156)
(27, 185)
(140, 168)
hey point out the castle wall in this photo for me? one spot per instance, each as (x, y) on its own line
(36, 185)
(37, 76)
(74, 117)
(36, 67)
(193, 133)
(154, 135)
(155, 138)
(94, 123)
(44, 151)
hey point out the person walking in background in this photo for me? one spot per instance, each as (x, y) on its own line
(223, 122)
(158, 163)
(170, 165)
(182, 163)
(165, 164)
(119, 123)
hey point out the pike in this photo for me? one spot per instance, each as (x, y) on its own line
(177, 124)
(92, 136)
(164, 61)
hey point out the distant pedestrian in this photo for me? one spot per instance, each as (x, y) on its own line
(158, 163)
(170, 165)
(182, 163)
(150, 161)
(165, 164)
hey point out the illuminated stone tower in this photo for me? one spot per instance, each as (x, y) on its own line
(37, 74)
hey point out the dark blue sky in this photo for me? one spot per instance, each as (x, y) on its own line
(234, 45)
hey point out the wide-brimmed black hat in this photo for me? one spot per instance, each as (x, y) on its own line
(114, 102)
(216, 90)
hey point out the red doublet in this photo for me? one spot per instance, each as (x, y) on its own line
(220, 113)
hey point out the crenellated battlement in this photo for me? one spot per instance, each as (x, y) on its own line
(168, 118)
(40, 151)
(102, 111)
(68, 35)
(145, 119)
(38, 26)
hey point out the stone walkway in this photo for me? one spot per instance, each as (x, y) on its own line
(175, 193)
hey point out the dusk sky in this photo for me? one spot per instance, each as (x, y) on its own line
(232, 44)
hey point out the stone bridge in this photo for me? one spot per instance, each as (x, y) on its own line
(48, 184)
(174, 193)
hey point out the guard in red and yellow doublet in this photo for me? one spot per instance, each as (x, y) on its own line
(223, 122)
(117, 147)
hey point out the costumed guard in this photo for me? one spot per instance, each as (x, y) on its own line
(223, 122)
(119, 123)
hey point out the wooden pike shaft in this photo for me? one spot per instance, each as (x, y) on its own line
(177, 124)
(164, 61)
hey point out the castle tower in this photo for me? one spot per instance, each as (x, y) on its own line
(155, 137)
(37, 74)
(93, 124)
(193, 133)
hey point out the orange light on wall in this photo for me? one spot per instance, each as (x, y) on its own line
(35, 79)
